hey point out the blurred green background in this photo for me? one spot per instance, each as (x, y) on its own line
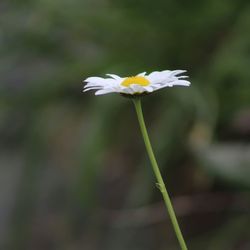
(73, 169)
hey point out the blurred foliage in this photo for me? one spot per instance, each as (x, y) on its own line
(73, 168)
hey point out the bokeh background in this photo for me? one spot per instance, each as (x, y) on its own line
(73, 169)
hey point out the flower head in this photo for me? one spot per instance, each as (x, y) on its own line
(136, 85)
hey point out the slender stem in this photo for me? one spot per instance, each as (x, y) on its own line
(160, 183)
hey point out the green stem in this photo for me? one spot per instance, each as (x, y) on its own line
(160, 183)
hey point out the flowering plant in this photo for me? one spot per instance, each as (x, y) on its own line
(135, 87)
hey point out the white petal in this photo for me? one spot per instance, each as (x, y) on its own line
(137, 88)
(157, 76)
(108, 82)
(165, 77)
(176, 83)
(127, 91)
(92, 85)
(142, 74)
(177, 72)
(116, 77)
(149, 88)
(94, 79)
(103, 91)
(155, 86)
(160, 73)
(92, 88)
(182, 83)
(180, 77)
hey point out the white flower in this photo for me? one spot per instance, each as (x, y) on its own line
(136, 85)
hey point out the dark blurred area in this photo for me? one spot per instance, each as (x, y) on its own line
(74, 173)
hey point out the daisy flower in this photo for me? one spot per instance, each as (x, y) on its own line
(136, 85)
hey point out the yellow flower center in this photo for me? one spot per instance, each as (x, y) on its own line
(140, 80)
